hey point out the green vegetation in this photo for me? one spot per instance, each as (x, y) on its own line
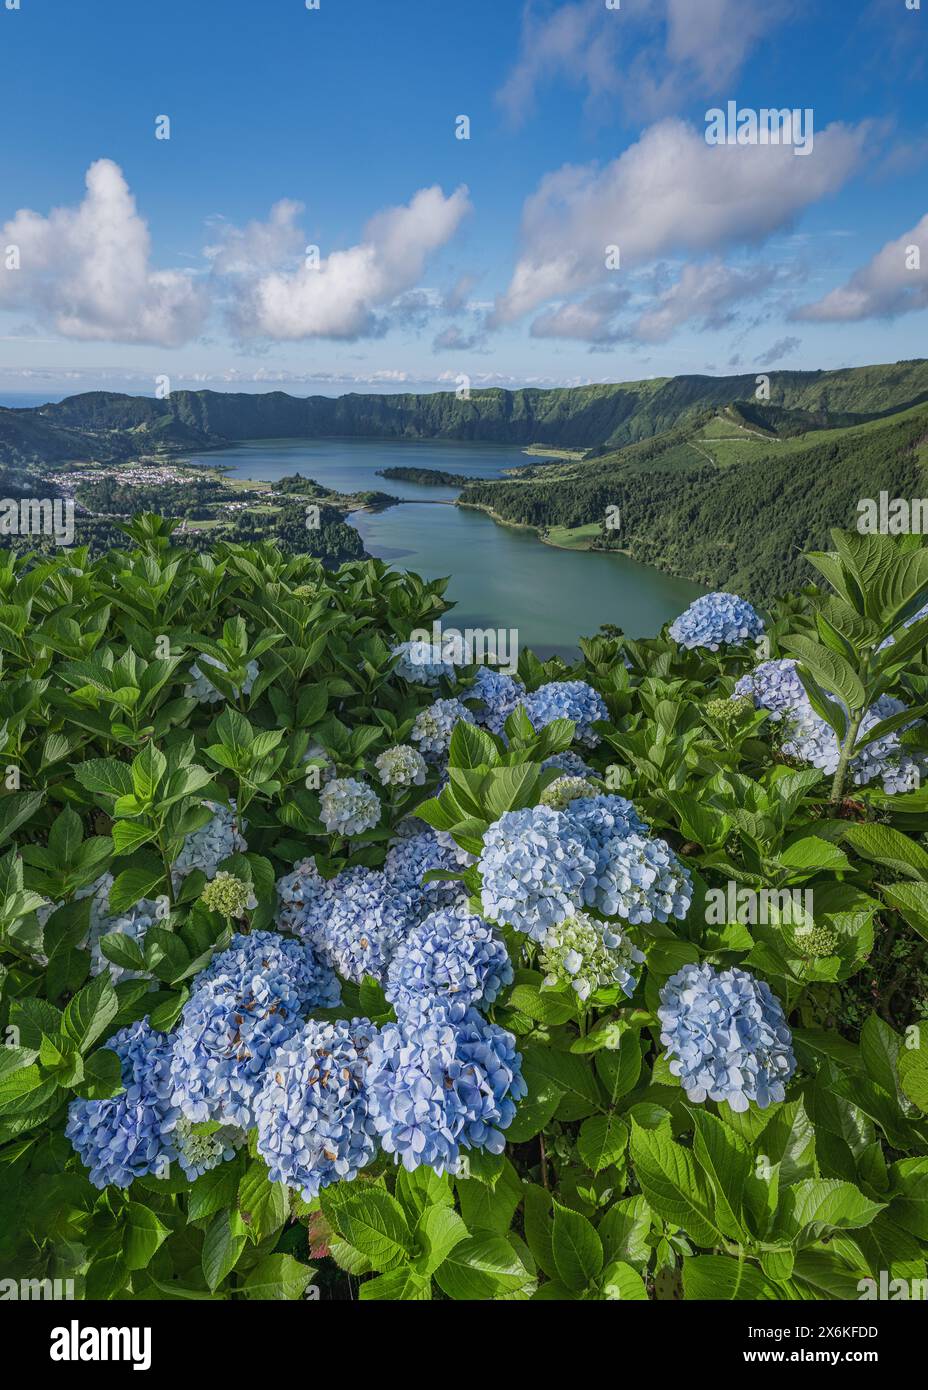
(102, 424)
(606, 1178)
(732, 512)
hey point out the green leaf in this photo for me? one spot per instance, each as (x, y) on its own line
(624, 1232)
(620, 1282)
(106, 776)
(132, 885)
(723, 1277)
(143, 1235)
(726, 1161)
(374, 1223)
(90, 1013)
(213, 1190)
(829, 670)
(911, 899)
(672, 1183)
(278, 1277)
(601, 1141)
(482, 1267)
(912, 1064)
(815, 1205)
(577, 1249)
(883, 845)
(619, 1070)
(262, 1204)
(399, 1286)
(486, 1208)
(222, 1247)
(440, 1229)
(147, 771)
(471, 747)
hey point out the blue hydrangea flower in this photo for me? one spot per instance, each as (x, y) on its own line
(571, 764)
(297, 892)
(434, 726)
(312, 1112)
(230, 1027)
(717, 620)
(499, 694)
(422, 663)
(435, 1088)
(567, 700)
(348, 807)
(410, 859)
(267, 954)
(536, 869)
(207, 847)
(357, 922)
(445, 966)
(641, 880)
(401, 766)
(129, 1135)
(805, 736)
(202, 688)
(726, 1036)
(600, 819)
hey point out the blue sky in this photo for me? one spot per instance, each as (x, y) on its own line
(134, 257)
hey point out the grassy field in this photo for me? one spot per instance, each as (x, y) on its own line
(573, 537)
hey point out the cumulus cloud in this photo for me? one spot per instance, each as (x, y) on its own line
(894, 282)
(650, 54)
(705, 292)
(86, 271)
(343, 295)
(589, 320)
(669, 193)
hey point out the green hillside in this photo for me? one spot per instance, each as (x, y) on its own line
(726, 510)
(586, 417)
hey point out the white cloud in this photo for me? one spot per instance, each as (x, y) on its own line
(589, 320)
(894, 282)
(650, 54)
(669, 193)
(706, 292)
(86, 271)
(341, 297)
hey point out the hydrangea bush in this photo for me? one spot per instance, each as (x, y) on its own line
(601, 980)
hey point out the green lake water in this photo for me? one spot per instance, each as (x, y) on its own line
(500, 577)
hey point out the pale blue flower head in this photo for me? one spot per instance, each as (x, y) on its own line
(312, 1112)
(434, 726)
(536, 870)
(499, 695)
(435, 1088)
(568, 700)
(129, 1136)
(348, 807)
(717, 620)
(726, 1037)
(446, 965)
(357, 922)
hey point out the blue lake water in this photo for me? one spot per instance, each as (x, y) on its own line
(500, 577)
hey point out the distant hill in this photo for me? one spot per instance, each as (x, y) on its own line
(726, 503)
(102, 424)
